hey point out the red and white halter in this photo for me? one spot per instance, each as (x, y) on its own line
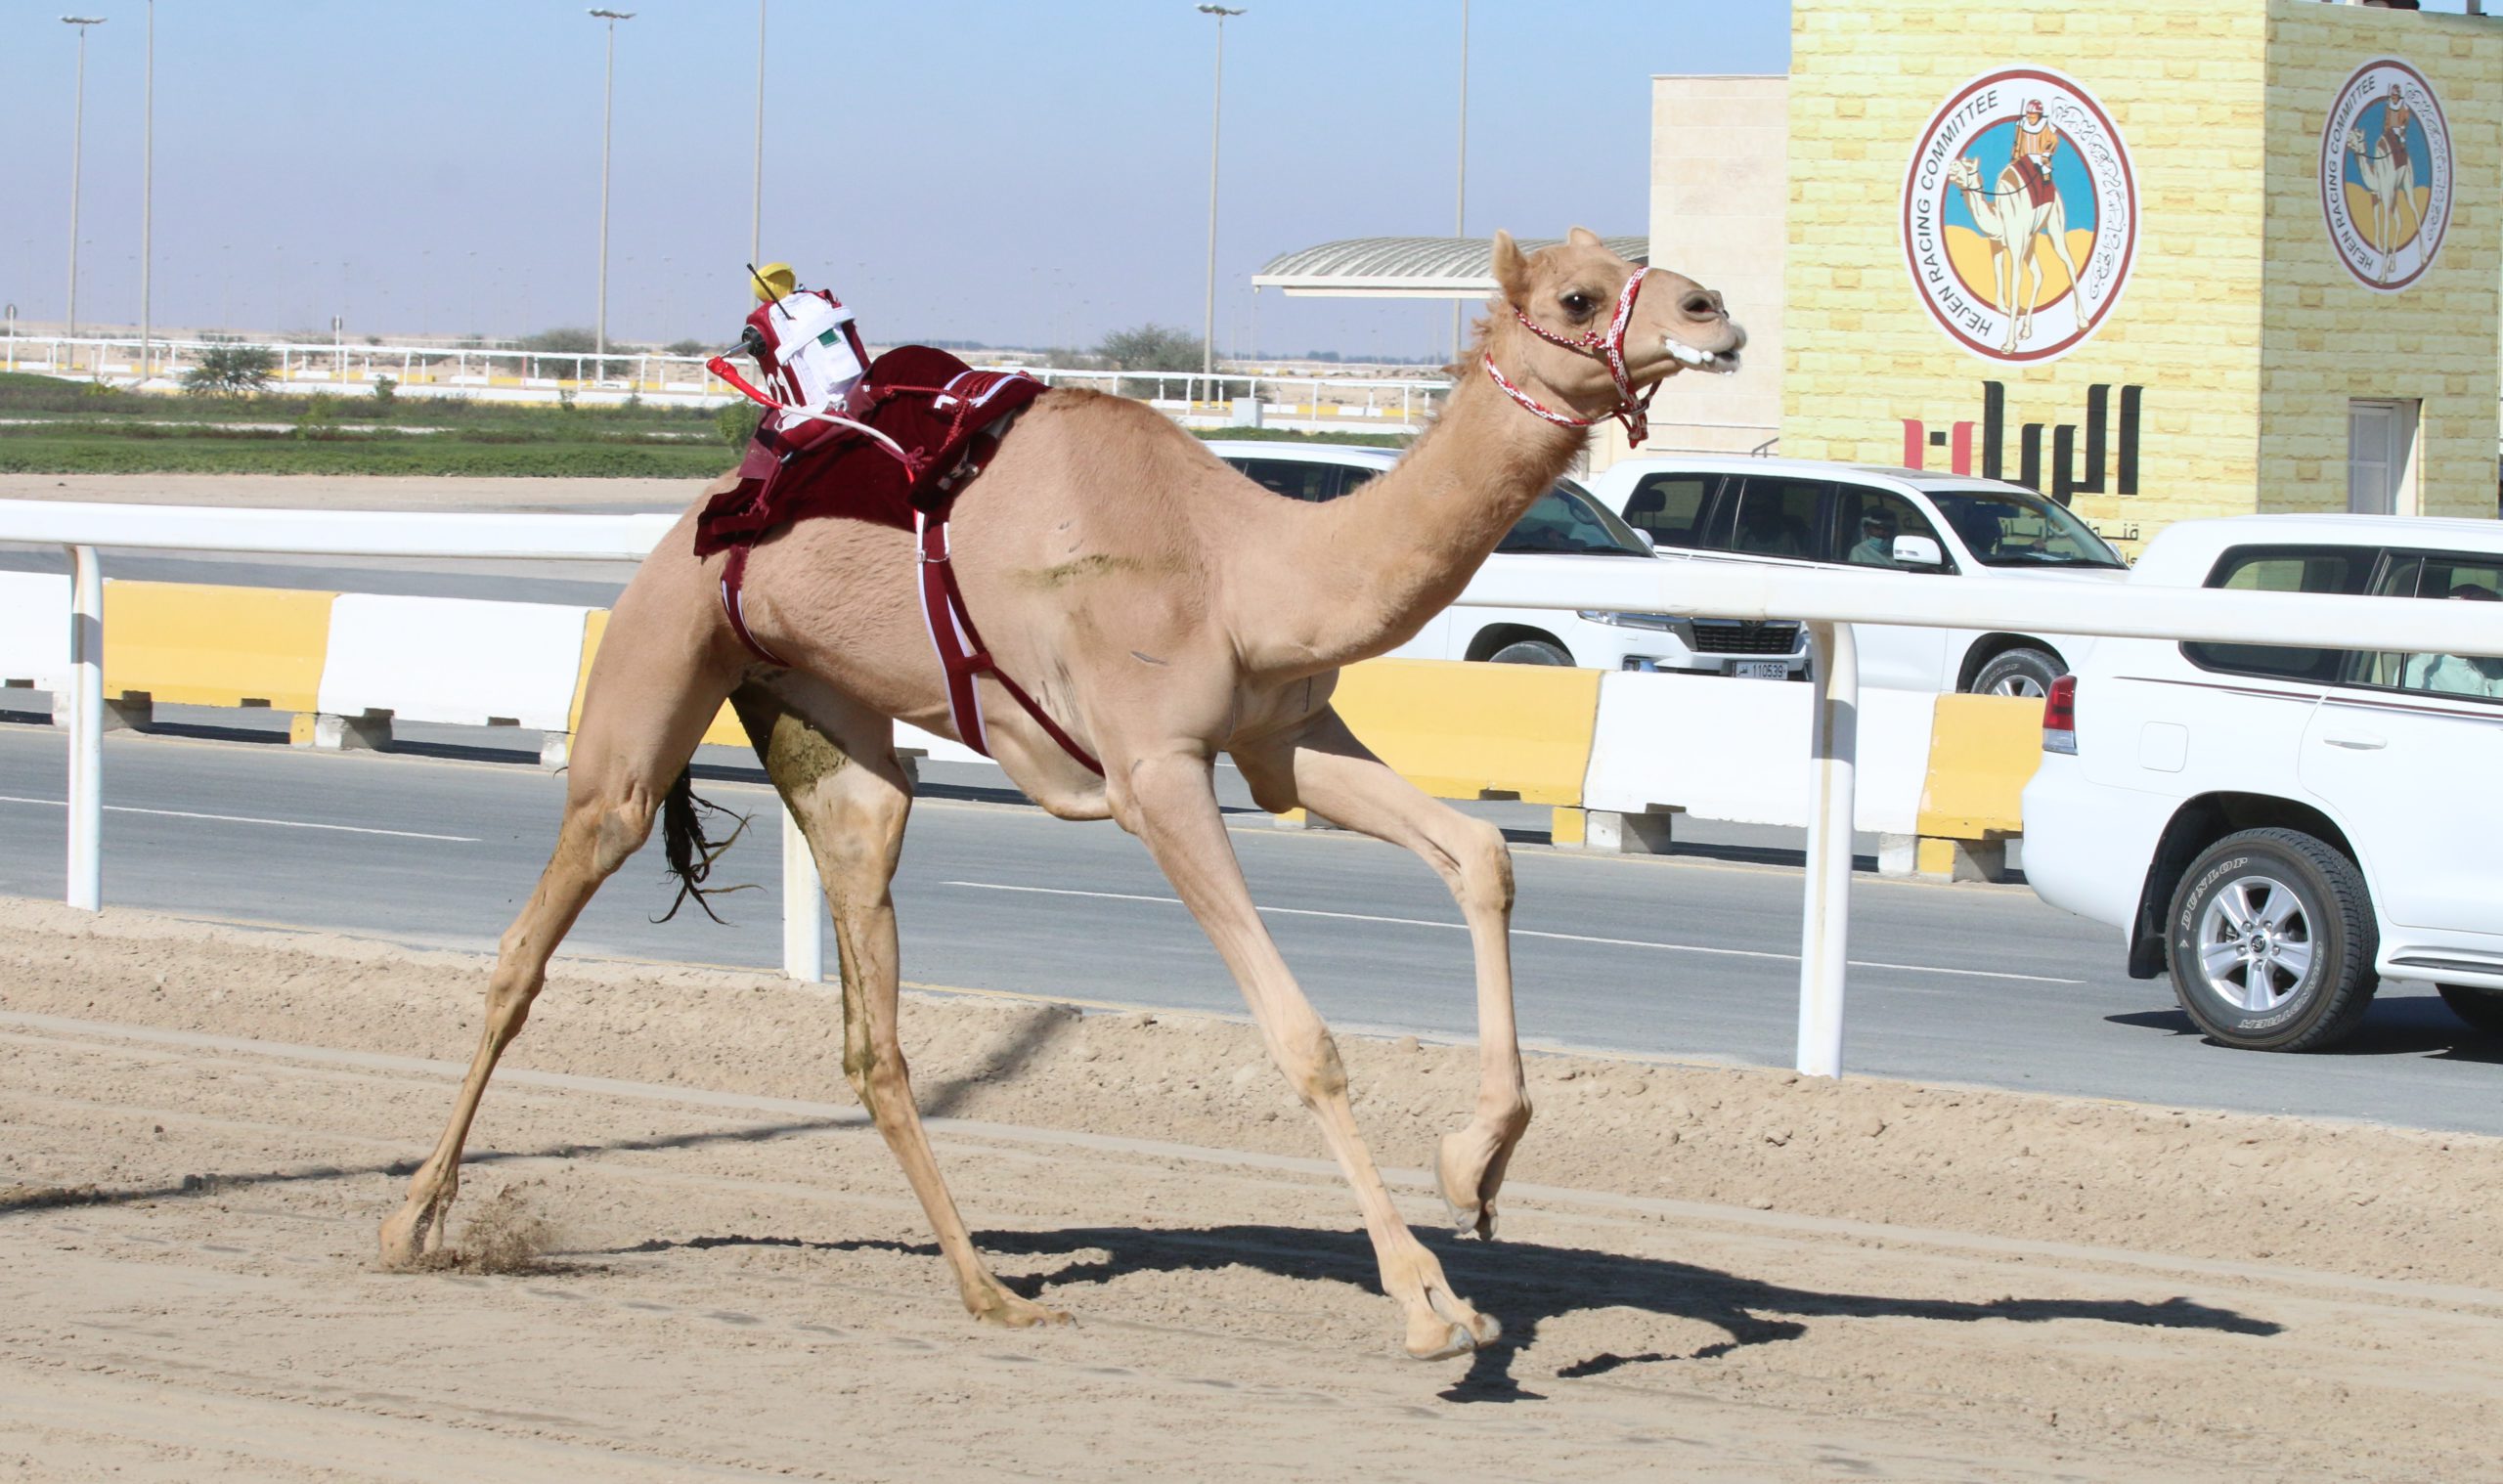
(1608, 345)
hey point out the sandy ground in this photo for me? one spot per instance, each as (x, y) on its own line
(1705, 1273)
(329, 491)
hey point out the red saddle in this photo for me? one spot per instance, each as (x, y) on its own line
(936, 422)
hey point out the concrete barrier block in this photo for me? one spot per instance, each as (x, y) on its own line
(521, 662)
(1611, 833)
(196, 644)
(34, 630)
(1737, 750)
(1985, 751)
(339, 733)
(1476, 731)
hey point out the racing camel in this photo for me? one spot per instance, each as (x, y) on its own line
(1164, 609)
(2012, 223)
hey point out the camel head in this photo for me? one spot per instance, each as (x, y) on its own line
(1964, 174)
(2355, 143)
(1571, 291)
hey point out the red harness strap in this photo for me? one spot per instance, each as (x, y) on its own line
(1609, 346)
(960, 648)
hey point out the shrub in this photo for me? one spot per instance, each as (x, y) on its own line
(737, 423)
(565, 340)
(1151, 347)
(386, 394)
(230, 370)
(686, 348)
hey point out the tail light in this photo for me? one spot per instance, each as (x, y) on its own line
(2059, 716)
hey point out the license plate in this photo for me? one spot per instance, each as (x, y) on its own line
(1761, 670)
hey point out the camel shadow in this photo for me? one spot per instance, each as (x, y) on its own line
(1526, 1285)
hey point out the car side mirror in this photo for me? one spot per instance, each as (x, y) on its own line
(1648, 544)
(1917, 551)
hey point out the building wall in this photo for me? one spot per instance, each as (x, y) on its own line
(2184, 83)
(1720, 147)
(2328, 336)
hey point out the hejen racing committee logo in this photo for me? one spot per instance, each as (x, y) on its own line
(2386, 174)
(2020, 216)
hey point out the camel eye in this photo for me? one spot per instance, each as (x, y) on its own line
(1578, 303)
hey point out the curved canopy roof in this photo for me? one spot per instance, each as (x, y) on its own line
(1408, 267)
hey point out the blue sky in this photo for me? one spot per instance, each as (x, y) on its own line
(1029, 173)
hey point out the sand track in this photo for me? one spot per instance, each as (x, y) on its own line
(742, 1285)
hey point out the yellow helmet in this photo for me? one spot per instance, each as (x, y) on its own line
(773, 281)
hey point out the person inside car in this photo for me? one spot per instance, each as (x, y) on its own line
(1764, 529)
(2455, 675)
(1877, 547)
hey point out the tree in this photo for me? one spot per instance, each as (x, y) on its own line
(686, 348)
(230, 370)
(565, 340)
(1151, 347)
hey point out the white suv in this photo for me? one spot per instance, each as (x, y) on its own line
(1734, 508)
(1554, 543)
(2281, 827)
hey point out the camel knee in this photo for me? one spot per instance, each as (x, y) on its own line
(1309, 1056)
(1484, 863)
(878, 1078)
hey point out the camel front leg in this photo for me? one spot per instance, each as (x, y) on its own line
(1168, 802)
(1334, 773)
(834, 763)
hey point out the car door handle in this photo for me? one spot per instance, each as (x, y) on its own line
(2355, 741)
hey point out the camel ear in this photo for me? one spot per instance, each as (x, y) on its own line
(1512, 269)
(1584, 236)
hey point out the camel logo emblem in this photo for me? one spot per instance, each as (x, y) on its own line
(2020, 216)
(2385, 175)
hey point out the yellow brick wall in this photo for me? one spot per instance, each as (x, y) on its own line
(2194, 91)
(2330, 338)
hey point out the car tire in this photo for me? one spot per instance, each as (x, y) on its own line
(2272, 942)
(1531, 652)
(2480, 1008)
(2027, 673)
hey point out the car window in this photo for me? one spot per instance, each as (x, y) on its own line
(2448, 578)
(2286, 569)
(1297, 479)
(2017, 528)
(1670, 506)
(1568, 520)
(1778, 517)
(1868, 521)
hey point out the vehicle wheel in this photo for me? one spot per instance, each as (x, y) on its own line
(2025, 672)
(2272, 942)
(1531, 652)
(2480, 1008)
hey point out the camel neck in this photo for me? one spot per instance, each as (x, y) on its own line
(1364, 573)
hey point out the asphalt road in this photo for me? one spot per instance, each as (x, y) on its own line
(1690, 957)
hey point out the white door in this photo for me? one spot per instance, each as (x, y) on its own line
(2405, 751)
(2381, 457)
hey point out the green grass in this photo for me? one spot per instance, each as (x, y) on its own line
(280, 453)
(1285, 435)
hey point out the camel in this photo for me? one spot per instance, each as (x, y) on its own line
(2013, 224)
(2388, 183)
(1165, 609)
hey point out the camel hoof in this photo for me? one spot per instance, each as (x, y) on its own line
(1010, 1312)
(403, 1240)
(1456, 1341)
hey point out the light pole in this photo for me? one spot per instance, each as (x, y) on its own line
(607, 112)
(1460, 189)
(147, 193)
(755, 215)
(1216, 123)
(77, 146)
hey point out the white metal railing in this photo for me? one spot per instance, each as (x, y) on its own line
(1829, 601)
(1392, 404)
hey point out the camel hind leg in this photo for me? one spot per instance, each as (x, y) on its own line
(647, 707)
(834, 763)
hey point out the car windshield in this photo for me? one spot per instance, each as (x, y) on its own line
(2016, 527)
(1568, 520)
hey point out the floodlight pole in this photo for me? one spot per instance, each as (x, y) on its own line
(1216, 126)
(1460, 189)
(755, 216)
(78, 151)
(146, 197)
(607, 117)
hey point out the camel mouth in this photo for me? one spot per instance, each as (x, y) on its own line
(1722, 362)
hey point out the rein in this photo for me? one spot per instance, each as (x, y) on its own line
(1608, 346)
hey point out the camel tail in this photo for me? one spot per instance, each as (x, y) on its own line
(690, 854)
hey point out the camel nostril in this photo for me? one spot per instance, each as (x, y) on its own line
(1700, 305)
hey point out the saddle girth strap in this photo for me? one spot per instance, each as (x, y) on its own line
(734, 606)
(961, 652)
